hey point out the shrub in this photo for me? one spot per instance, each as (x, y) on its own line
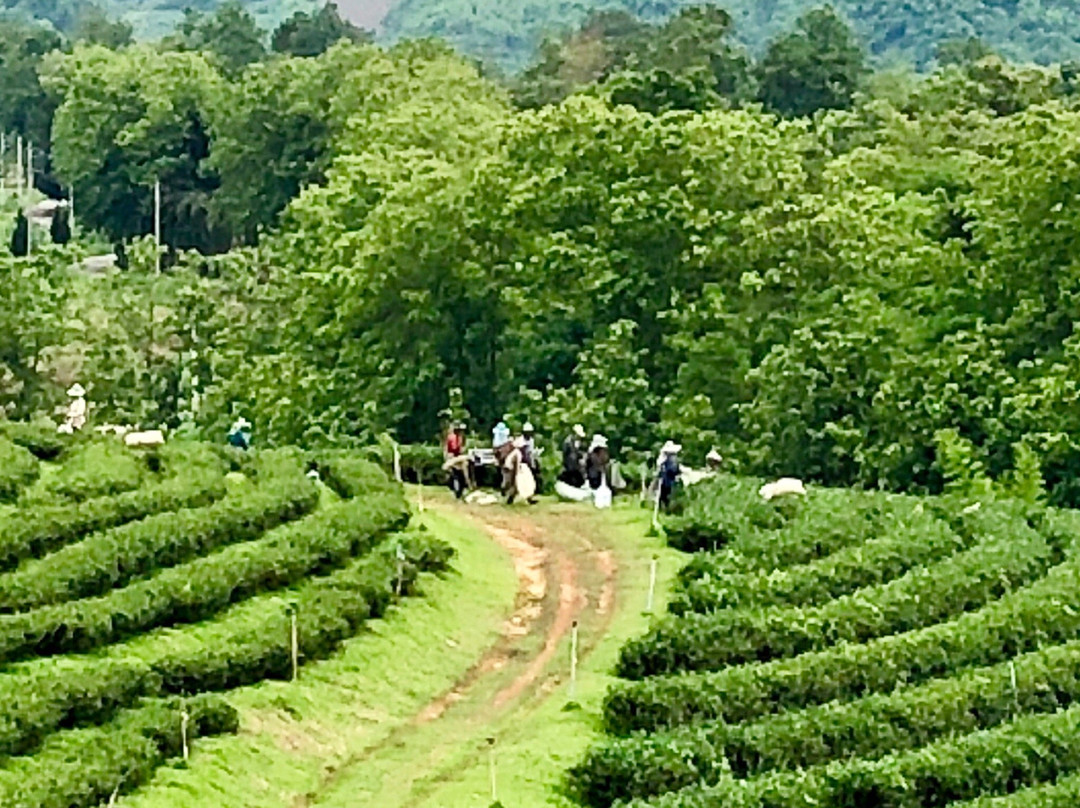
(1047, 611)
(40, 438)
(40, 697)
(201, 588)
(113, 558)
(33, 532)
(922, 597)
(903, 544)
(100, 468)
(18, 469)
(1027, 751)
(871, 727)
(83, 768)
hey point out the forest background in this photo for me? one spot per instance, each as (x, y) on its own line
(818, 264)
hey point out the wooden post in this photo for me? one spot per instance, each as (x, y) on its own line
(656, 509)
(652, 584)
(397, 463)
(491, 765)
(184, 718)
(400, 553)
(573, 659)
(420, 488)
(294, 643)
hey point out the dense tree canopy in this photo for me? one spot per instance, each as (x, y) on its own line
(1043, 31)
(832, 285)
(305, 34)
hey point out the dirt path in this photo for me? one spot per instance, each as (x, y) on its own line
(563, 580)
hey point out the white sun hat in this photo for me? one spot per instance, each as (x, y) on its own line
(714, 456)
(598, 442)
(579, 430)
(76, 391)
(528, 427)
(670, 448)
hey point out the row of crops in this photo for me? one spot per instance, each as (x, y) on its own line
(852, 649)
(137, 589)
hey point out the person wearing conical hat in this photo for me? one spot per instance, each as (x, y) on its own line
(76, 411)
(530, 455)
(669, 472)
(598, 463)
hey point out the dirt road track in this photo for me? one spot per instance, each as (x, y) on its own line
(563, 578)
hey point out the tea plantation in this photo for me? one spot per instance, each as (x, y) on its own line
(138, 588)
(852, 649)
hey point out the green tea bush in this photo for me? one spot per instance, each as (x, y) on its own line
(1027, 751)
(1011, 555)
(40, 438)
(201, 588)
(903, 543)
(110, 559)
(96, 469)
(32, 532)
(1047, 611)
(645, 765)
(82, 768)
(18, 470)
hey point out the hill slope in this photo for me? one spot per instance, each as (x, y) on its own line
(506, 33)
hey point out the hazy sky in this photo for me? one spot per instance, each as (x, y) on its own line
(365, 13)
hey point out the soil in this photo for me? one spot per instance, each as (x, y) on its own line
(560, 573)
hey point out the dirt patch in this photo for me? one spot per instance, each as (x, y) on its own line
(605, 562)
(571, 601)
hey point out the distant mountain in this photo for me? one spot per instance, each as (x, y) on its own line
(506, 32)
(152, 19)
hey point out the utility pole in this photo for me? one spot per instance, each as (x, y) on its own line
(30, 195)
(19, 168)
(157, 223)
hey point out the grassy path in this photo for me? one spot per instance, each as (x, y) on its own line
(403, 715)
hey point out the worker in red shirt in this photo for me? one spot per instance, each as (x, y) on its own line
(457, 462)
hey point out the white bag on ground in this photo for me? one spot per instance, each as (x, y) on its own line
(524, 482)
(572, 494)
(602, 495)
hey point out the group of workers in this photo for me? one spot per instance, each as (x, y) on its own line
(586, 466)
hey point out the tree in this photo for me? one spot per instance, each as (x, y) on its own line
(60, 229)
(25, 107)
(274, 130)
(95, 28)
(305, 34)
(963, 51)
(20, 237)
(818, 66)
(230, 34)
(128, 119)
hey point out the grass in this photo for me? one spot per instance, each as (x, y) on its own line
(540, 738)
(294, 732)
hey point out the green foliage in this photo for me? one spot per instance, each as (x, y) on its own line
(113, 558)
(508, 35)
(923, 596)
(903, 541)
(818, 66)
(81, 768)
(45, 528)
(871, 728)
(230, 36)
(96, 469)
(305, 34)
(18, 469)
(992, 761)
(25, 108)
(127, 120)
(199, 589)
